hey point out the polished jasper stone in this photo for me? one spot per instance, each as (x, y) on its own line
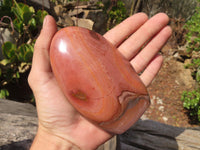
(97, 80)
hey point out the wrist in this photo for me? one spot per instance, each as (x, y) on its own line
(44, 140)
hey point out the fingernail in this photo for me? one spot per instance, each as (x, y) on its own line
(44, 21)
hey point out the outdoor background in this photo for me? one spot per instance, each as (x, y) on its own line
(175, 94)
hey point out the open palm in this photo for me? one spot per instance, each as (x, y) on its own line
(57, 118)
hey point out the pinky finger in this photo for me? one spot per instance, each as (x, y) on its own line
(152, 70)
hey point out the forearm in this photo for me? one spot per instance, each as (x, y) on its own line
(44, 140)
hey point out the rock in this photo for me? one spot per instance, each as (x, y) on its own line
(18, 125)
(58, 9)
(85, 15)
(100, 21)
(187, 62)
(178, 57)
(65, 21)
(68, 20)
(85, 23)
(67, 16)
(75, 12)
(161, 108)
(181, 76)
(195, 54)
(165, 119)
(184, 77)
(67, 3)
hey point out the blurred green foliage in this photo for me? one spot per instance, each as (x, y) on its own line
(193, 34)
(5, 8)
(18, 56)
(192, 103)
(116, 13)
(191, 99)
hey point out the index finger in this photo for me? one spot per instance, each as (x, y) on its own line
(119, 33)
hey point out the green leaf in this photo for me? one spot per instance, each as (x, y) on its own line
(7, 3)
(17, 10)
(16, 75)
(4, 62)
(29, 53)
(20, 57)
(32, 23)
(8, 49)
(21, 49)
(40, 16)
(31, 9)
(27, 13)
(12, 53)
(25, 52)
(4, 93)
(28, 56)
(191, 102)
(18, 25)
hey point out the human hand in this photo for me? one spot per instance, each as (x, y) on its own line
(60, 125)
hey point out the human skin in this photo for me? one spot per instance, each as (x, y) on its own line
(60, 126)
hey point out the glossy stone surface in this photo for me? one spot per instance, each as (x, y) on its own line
(97, 80)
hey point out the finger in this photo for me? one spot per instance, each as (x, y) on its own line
(152, 70)
(41, 61)
(133, 44)
(143, 58)
(119, 33)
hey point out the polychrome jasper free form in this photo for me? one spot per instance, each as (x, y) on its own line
(97, 80)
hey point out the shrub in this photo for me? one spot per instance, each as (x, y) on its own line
(193, 28)
(192, 103)
(191, 99)
(18, 55)
(116, 13)
(195, 67)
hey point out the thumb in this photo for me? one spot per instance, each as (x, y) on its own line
(41, 67)
(42, 45)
